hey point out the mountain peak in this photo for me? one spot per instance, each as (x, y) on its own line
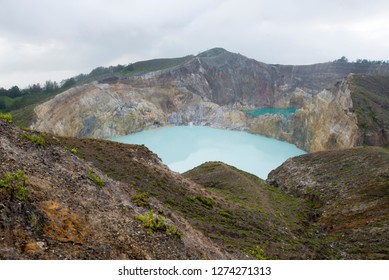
(212, 52)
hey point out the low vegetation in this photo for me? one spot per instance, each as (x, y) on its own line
(96, 179)
(15, 183)
(258, 253)
(38, 140)
(252, 216)
(154, 222)
(72, 150)
(7, 117)
(141, 199)
(207, 202)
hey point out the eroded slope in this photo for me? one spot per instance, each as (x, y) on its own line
(350, 190)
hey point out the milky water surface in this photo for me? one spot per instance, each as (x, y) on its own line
(185, 147)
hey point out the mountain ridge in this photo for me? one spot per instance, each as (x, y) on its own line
(213, 89)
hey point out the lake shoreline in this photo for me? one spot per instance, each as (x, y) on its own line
(182, 148)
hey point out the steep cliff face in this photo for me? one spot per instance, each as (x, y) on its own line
(325, 121)
(370, 96)
(211, 89)
(97, 110)
(352, 113)
(103, 111)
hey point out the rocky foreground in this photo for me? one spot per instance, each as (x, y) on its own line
(69, 198)
(63, 207)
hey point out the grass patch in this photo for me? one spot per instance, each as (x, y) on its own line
(207, 202)
(141, 200)
(225, 213)
(72, 150)
(15, 183)
(96, 179)
(257, 252)
(7, 117)
(36, 139)
(156, 223)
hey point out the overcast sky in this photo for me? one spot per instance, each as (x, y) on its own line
(52, 40)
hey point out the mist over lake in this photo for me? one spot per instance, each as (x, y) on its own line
(185, 147)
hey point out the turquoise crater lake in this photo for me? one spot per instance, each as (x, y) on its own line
(285, 112)
(185, 147)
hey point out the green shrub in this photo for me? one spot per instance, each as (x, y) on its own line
(225, 213)
(141, 200)
(258, 253)
(15, 183)
(153, 222)
(207, 202)
(72, 150)
(171, 230)
(36, 139)
(171, 202)
(7, 117)
(157, 223)
(96, 179)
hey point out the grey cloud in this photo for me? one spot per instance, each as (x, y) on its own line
(77, 35)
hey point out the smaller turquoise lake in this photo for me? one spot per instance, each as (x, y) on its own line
(182, 148)
(270, 110)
